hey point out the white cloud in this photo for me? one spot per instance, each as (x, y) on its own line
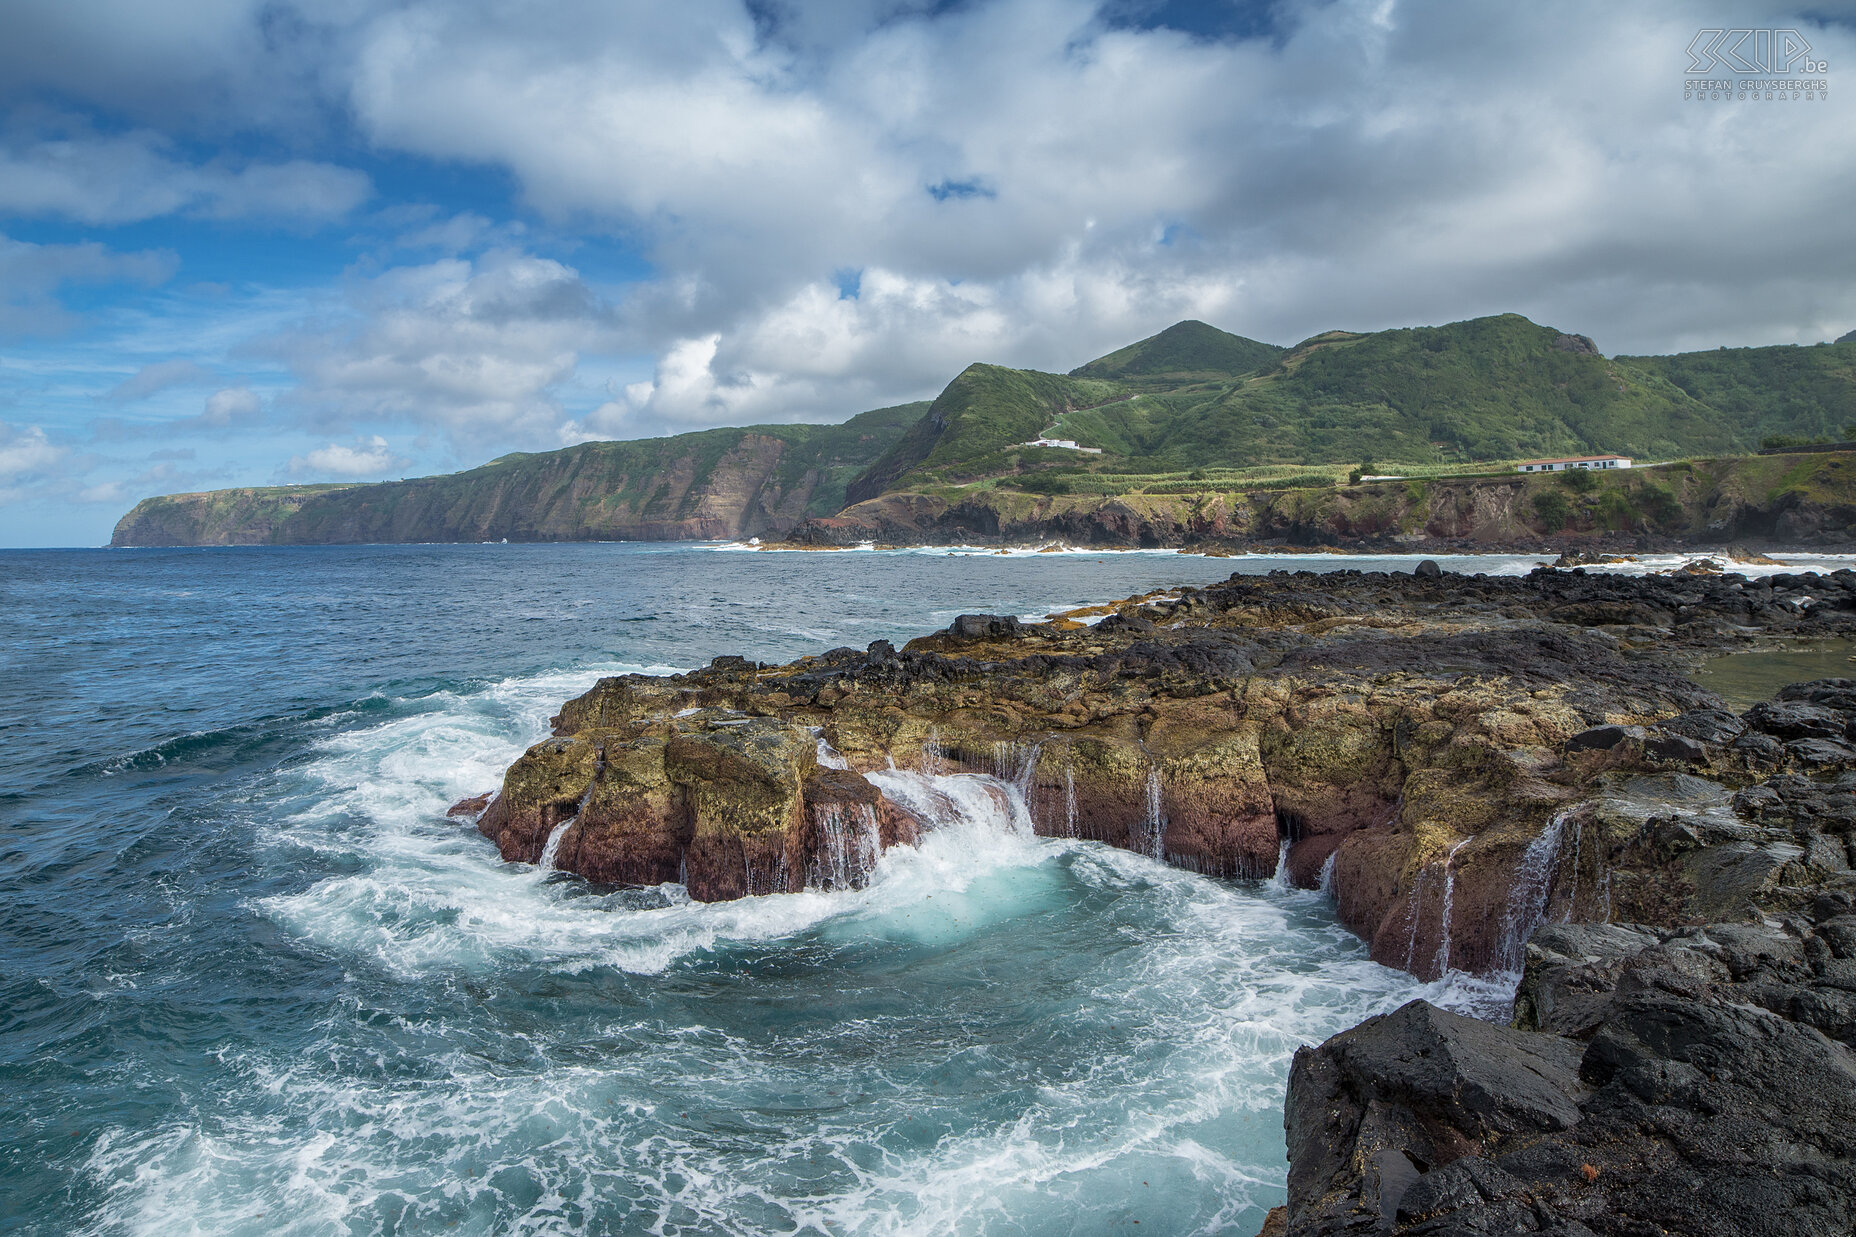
(476, 347)
(67, 171)
(365, 457)
(223, 407)
(26, 453)
(1016, 181)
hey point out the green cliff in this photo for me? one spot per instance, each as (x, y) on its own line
(1192, 414)
(714, 484)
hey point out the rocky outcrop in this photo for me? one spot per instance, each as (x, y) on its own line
(1463, 758)
(1699, 1081)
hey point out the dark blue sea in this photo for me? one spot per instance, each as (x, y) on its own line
(253, 981)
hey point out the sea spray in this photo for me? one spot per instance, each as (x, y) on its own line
(828, 756)
(1327, 872)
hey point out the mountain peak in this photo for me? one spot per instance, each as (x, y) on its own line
(1188, 347)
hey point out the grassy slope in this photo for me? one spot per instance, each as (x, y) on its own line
(245, 516)
(593, 489)
(1807, 392)
(973, 425)
(1183, 350)
(1700, 502)
(1430, 398)
(1487, 389)
(1192, 404)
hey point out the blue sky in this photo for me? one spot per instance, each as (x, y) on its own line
(246, 242)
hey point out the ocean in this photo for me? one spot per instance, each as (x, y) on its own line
(253, 981)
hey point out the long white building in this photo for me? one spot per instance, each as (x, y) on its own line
(1574, 461)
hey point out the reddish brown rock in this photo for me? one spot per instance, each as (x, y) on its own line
(471, 807)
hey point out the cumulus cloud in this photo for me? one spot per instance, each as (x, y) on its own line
(224, 64)
(474, 346)
(1026, 181)
(26, 453)
(71, 172)
(364, 457)
(843, 205)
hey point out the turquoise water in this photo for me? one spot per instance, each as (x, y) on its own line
(255, 983)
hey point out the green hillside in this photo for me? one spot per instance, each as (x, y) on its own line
(974, 426)
(1801, 392)
(1484, 390)
(715, 483)
(1183, 351)
(1189, 407)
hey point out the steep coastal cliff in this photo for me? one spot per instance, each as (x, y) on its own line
(716, 484)
(1190, 436)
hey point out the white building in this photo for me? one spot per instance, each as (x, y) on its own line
(1574, 461)
(1063, 443)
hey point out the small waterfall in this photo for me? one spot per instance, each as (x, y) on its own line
(1279, 879)
(941, 801)
(1443, 944)
(1016, 763)
(933, 763)
(828, 756)
(1414, 911)
(1533, 885)
(848, 846)
(1069, 800)
(1572, 890)
(1327, 872)
(1154, 844)
(553, 845)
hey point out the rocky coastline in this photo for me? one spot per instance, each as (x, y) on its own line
(1769, 502)
(1492, 775)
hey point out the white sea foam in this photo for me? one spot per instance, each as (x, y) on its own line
(1158, 1057)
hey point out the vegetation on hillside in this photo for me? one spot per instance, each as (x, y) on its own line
(1791, 393)
(1184, 350)
(1464, 395)
(764, 477)
(1192, 410)
(976, 426)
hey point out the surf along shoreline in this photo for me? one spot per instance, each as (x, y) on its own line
(1463, 762)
